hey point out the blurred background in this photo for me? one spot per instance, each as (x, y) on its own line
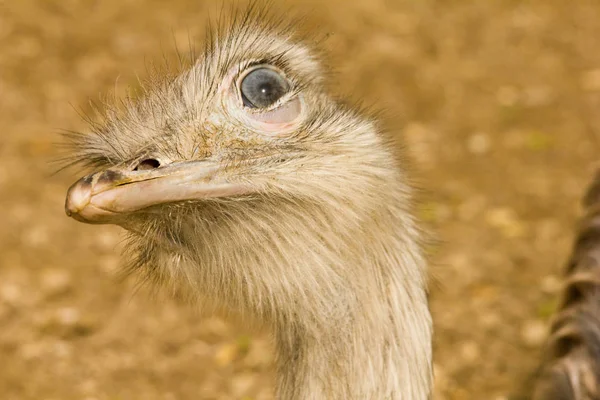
(497, 103)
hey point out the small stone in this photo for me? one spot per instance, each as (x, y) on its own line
(215, 326)
(406, 23)
(62, 349)
(28, 46)
(10, 293)
(29, 351)
(441, 378)
(443, 212)
(534, 333)
(470, 352)
(538, 96)
(68, 316)
(242, 383)
(226, 354)
(56, 282)
(36, 236)
(260, 355)
(109, 264)
(107, 240)
(590, 80)
(22, 213)
(200, 349)
(88, 386)
(526, 18)
(548, 230)
(507, 96)
(479, 143)
(551, 284)
(458, 262)
(471, 207)
(506, 220)
(491, 321)
(4, 175)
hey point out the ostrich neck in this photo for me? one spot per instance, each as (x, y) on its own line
(346, 297)
(380, 349)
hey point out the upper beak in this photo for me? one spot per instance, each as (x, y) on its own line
(106, 196)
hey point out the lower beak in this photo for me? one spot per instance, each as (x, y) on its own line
(107, 196)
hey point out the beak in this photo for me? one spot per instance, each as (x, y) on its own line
(107, 196)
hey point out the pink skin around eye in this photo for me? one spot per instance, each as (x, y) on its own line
(280, 118)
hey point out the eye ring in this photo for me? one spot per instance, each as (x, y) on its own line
(263, 87)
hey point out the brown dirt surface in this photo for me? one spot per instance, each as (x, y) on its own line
(497, 104)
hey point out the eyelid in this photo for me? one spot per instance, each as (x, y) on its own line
(254, 65)
(285, 113)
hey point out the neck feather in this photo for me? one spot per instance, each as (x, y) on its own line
(342, 286)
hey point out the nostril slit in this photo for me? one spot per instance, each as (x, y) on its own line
(149, 163)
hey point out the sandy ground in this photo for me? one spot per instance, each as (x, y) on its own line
(496, 101)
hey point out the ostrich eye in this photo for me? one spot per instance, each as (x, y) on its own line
(262, 87)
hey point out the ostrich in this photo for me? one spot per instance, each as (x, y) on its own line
(244, 185)
(571, 369)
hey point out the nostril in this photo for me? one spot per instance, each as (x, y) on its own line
(149, 163)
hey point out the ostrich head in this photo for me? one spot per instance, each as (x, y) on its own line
(249, 121)
(242, 181)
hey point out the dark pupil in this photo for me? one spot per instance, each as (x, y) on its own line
(263, 87)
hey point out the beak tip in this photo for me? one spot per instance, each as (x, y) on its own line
(78, 197)
(70, 212)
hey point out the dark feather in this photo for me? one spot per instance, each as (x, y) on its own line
(571, 370)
